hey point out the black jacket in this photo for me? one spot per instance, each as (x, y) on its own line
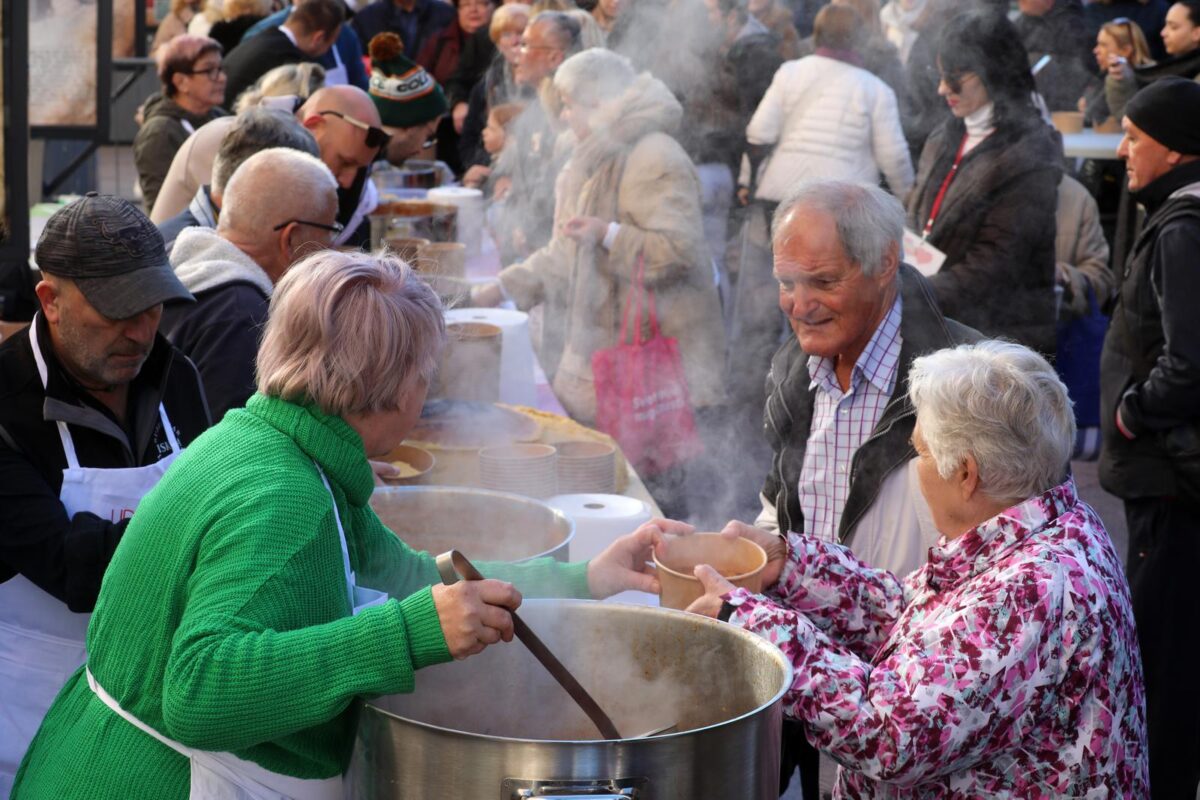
(257, 56)
(67, 556)
(996, 228)
(1061, 34)
(414, 28)
(1150, 366)
(788, 418)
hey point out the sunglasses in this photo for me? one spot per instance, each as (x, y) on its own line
(376, 137)
(954, 81)
(335, 228)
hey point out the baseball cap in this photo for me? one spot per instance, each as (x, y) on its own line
(113, 253)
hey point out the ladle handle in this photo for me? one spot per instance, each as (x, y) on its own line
(453, 564)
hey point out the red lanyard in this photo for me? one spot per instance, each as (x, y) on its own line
(941, 195)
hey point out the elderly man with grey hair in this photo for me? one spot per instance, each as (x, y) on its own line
(1007, 666)
(254, 130)
(837, 416)
(279, 206)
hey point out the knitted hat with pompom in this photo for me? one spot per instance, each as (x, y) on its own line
(405, 94)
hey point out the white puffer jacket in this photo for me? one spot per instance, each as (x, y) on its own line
(828, 120)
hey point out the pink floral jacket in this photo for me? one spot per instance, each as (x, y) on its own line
(1006, 667)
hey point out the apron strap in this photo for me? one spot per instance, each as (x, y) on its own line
(166, 423)
(112, 703)
(187, 126)
(341, 535)
(64, 435)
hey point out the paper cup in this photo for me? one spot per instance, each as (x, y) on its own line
(740, 561)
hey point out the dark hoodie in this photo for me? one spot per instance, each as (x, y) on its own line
(162, 134)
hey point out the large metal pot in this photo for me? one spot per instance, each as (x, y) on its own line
(488, 526)
(497, 727)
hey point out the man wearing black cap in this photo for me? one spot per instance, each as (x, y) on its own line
(1150, 396)
(94, 405)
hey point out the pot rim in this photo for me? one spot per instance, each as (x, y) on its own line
(753, 639)
(555, 514)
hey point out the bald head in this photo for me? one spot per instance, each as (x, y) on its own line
(280, 205)
(343, 143)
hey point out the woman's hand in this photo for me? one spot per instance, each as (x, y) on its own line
(501, 187)
(624, 564)
(586, 230)
(486, 295)
(475, 614)
(776, 547)
(715, 588)
(1119, 68)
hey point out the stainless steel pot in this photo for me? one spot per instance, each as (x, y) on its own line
(497, 727)
(488, 526)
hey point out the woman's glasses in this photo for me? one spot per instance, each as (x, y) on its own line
(376, 137)
(212, 73)
(954, 81)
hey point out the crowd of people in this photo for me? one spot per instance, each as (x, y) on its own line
(855, 225)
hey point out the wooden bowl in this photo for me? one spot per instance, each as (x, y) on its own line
(740, 561)
(415, 458)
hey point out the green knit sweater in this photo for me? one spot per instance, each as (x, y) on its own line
(224, 620)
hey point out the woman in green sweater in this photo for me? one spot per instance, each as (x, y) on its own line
(234, 628)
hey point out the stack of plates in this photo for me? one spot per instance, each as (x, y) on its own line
(528, 469)
(586, 467)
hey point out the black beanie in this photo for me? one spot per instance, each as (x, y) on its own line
(1168, 110)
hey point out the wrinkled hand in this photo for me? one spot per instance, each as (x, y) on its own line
(585, 230)
(475, 614)
(775, 546)
(715, 587)
(459, 115)
(486, 295)
(476, 176)
(624, 564)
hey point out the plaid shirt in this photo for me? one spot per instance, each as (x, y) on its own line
(841, 422)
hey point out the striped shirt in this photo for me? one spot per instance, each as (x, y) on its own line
(841, 422)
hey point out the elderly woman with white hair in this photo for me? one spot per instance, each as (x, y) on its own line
(1007, 666)
(257, 594)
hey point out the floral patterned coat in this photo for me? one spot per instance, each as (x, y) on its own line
(1006, 667)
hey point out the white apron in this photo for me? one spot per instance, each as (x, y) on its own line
(41, 641)
(338, 75)
(224, 776)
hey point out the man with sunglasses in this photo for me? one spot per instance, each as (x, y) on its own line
(279, 206)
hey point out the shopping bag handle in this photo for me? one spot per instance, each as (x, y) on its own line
(644, 299)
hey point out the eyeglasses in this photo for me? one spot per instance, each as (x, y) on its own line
(212, 73)
(335, 228)
(523, 46)
(376, 137)
(954, 81)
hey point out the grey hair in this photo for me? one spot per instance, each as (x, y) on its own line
(566, 29)
(254, 130)
(272, 186)
(1002, 403)
(593, 76)
(352, 332)
(300, 79)
(869, 220)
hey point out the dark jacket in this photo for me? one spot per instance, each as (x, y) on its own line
(220, 332)
(199, 212)
(349, 48)
(230, 32)
(414, 28)
(924, 109)
(160, 137)
(478, 53)
(1150, 366)
(1060, 33)
(996, 228)
(788, 418)
(67, 556)
(255, 57)
(440, 54)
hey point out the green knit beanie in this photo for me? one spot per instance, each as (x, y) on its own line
(405, 94)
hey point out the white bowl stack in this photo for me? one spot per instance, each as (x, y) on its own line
(586, 467)
(528, 469)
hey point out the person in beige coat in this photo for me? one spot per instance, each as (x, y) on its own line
(628, 190)
(1081, 251)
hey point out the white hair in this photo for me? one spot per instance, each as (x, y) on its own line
(273, 186)
(593, 76)
(1002, 403)
(869, 220)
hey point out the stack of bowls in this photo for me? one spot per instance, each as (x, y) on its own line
(528, 469)
(586, 468)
